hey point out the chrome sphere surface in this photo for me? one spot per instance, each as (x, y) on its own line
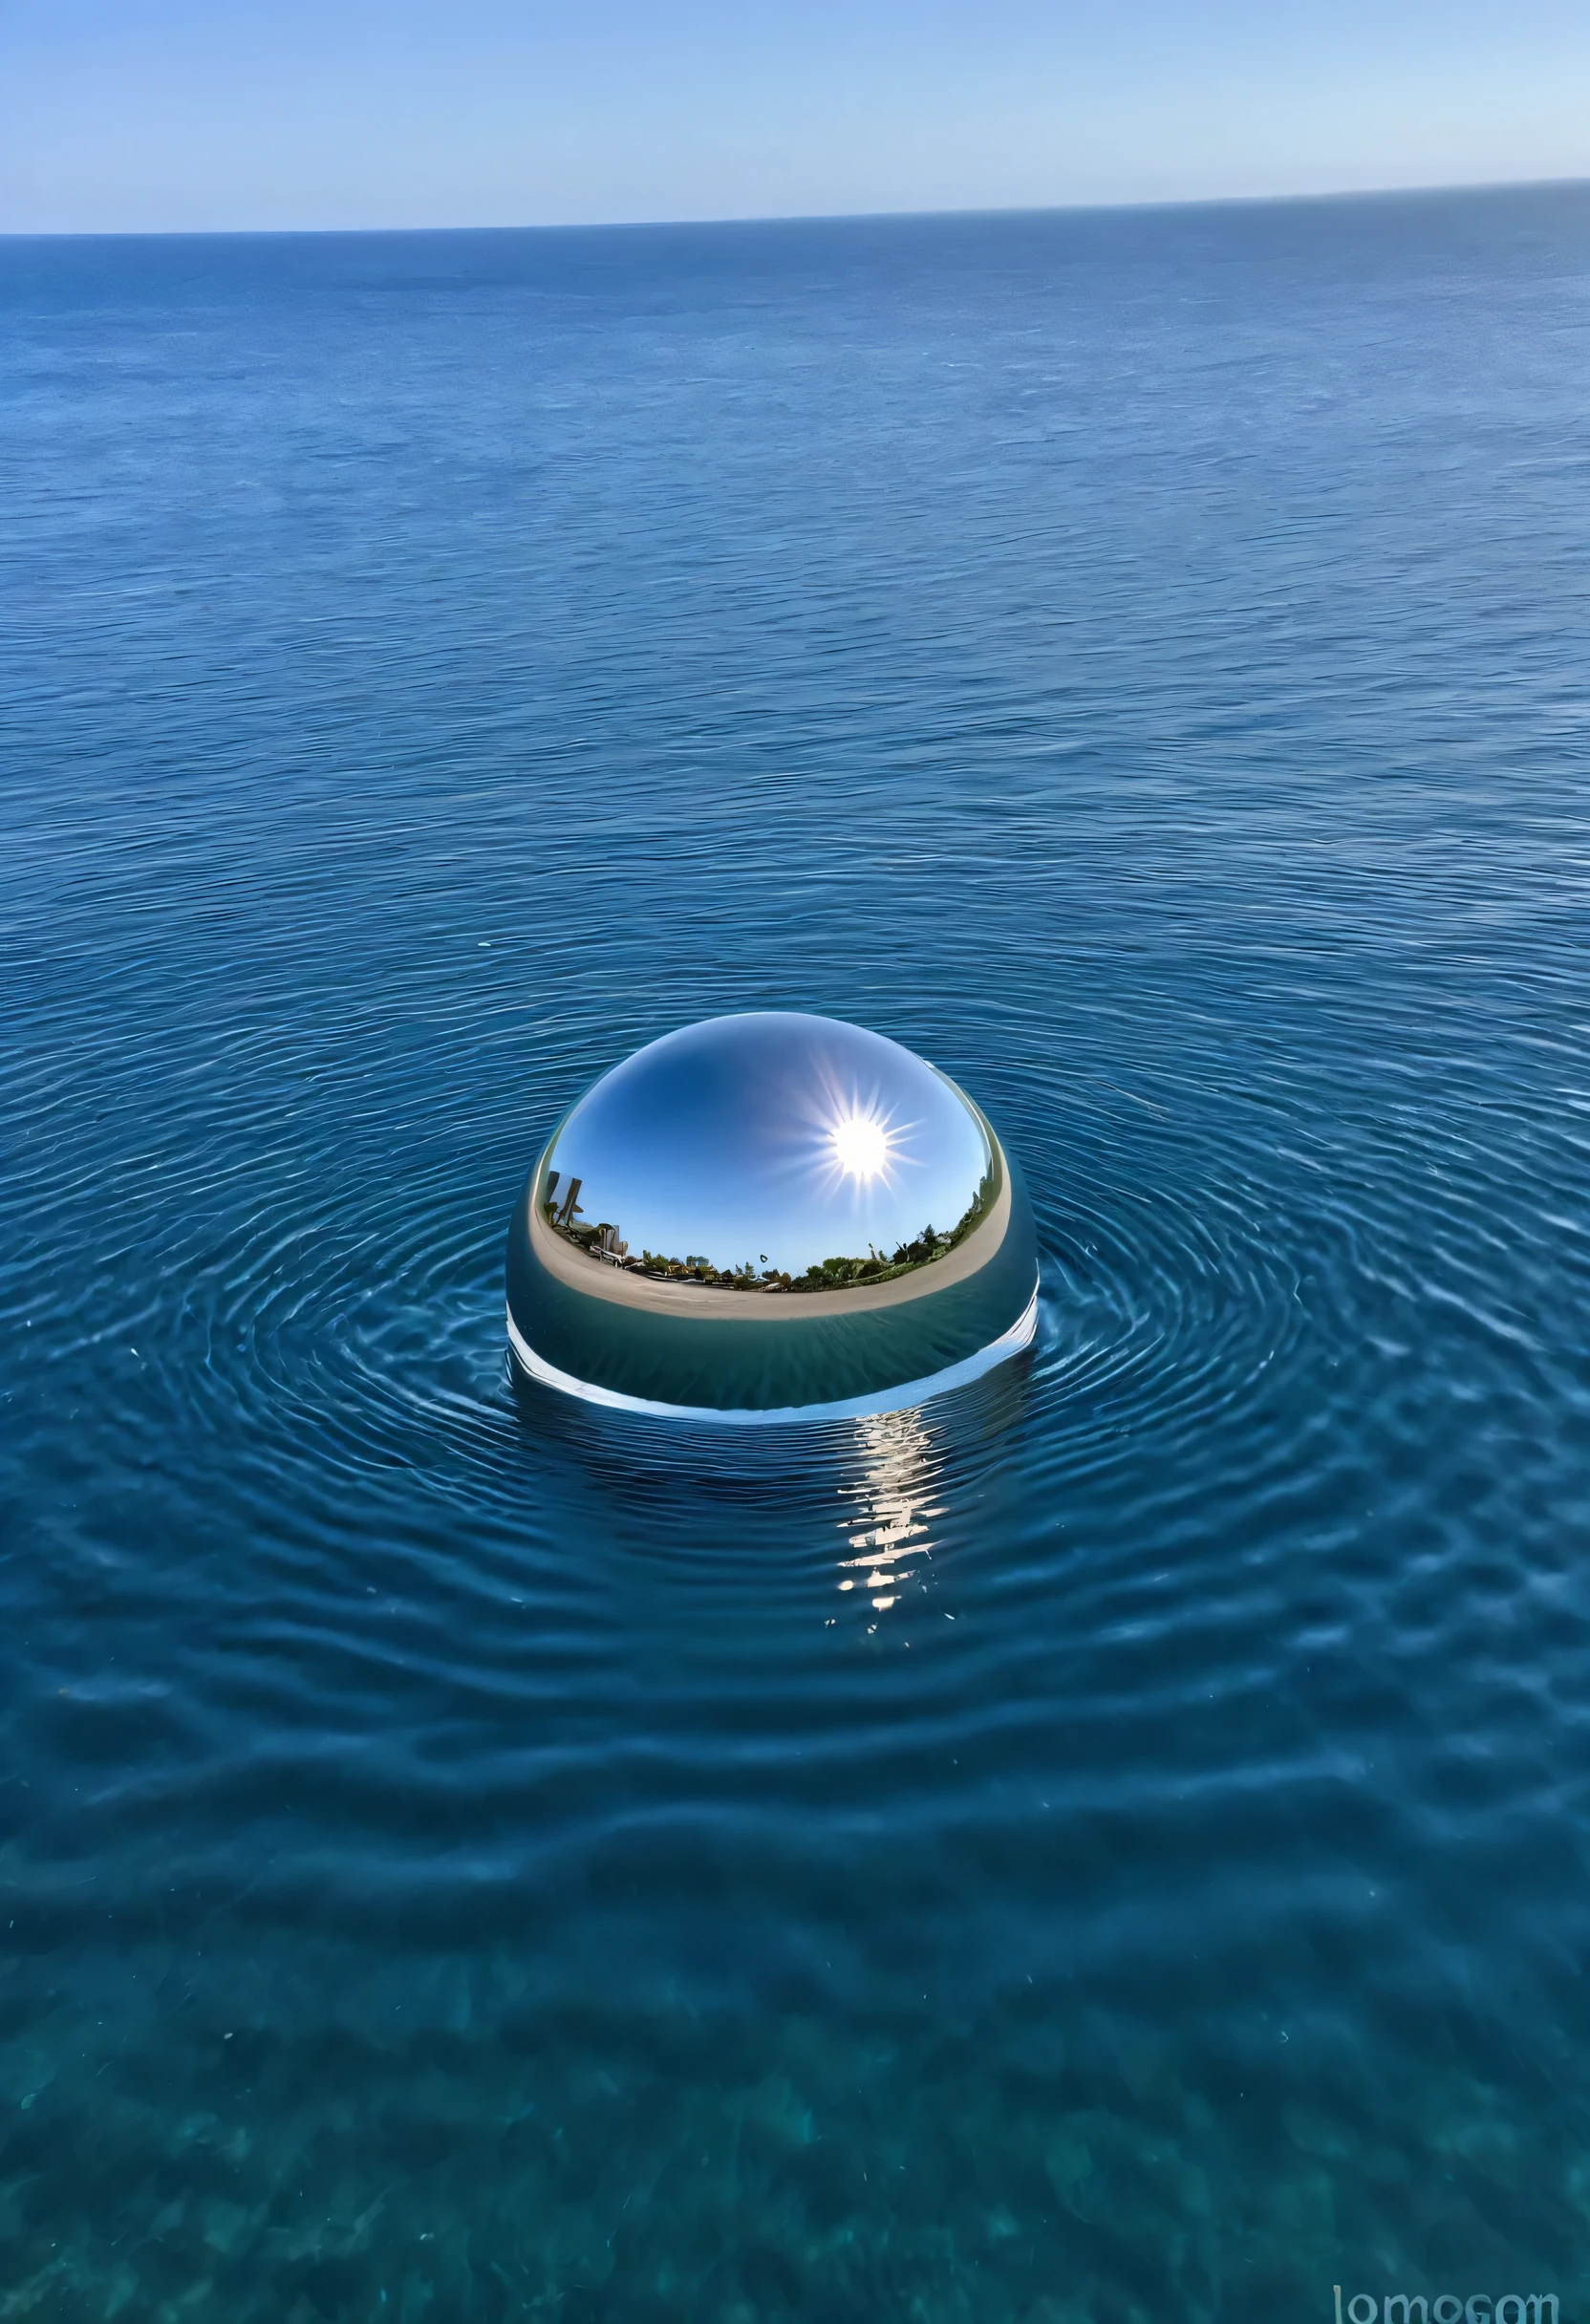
(767, 1148)
(769, 1214)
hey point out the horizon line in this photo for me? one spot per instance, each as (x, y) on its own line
(757, 218)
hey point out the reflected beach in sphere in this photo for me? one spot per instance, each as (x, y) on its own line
(770, 1214)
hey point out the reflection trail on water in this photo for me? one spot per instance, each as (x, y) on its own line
(897, 1499)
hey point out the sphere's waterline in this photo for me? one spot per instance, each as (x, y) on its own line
(903, 1399)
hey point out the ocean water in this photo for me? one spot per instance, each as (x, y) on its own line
(1107, 1848)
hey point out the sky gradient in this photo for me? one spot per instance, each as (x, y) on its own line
(150, 114)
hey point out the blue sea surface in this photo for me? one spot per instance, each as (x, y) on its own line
(1107, 1848)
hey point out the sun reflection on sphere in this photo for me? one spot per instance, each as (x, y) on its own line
(861, 1146)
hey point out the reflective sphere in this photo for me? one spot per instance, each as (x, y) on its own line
(770, 1213)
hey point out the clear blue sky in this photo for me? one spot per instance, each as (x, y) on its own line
(151, 114)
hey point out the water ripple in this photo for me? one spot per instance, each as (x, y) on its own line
(1100, 1844)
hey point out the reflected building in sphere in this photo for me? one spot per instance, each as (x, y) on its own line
(770, 1217)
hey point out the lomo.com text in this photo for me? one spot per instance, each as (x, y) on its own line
(1446, 2308)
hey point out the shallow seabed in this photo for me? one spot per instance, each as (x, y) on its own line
(1106, 1846)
